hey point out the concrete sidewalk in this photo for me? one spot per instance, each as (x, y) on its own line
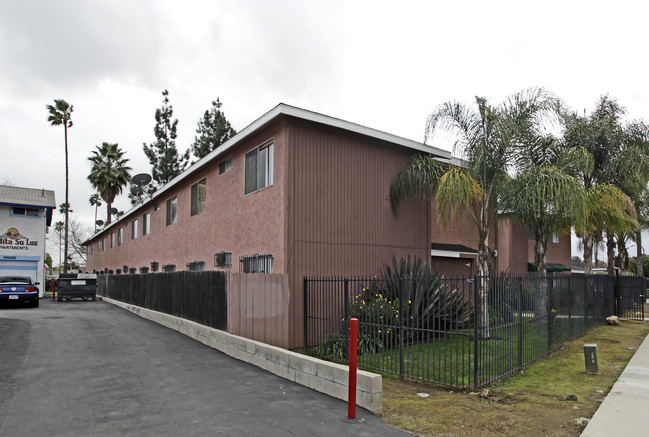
(625, 410)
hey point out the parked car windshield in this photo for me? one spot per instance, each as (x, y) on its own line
(15, 280)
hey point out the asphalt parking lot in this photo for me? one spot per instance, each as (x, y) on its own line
(85, 368)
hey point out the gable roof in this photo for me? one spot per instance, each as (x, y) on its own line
(283, 109)
(34, 197)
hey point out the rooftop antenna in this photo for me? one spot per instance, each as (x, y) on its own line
(138, 182)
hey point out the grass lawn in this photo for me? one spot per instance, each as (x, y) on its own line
(450, 360)
(531, 403)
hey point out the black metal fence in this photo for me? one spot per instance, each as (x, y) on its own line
(196, 296)
(461, 332)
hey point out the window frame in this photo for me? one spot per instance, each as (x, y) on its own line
(172, 205)
(198, 206)
(120, 236)
(225, 166)
(262, 176)
(134, 229)
(146, 223)
(13, 212)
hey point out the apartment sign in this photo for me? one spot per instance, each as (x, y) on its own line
(14, 240)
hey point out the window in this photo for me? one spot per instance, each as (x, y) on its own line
(256, 263)
(27, 212)
(112, 240)
(172, 211)
(169, 268)
(196, 266)
(554, 237)
(146, 223)
(132, 270)
(144, 270)
(223, 259)
(103, 244)
(134, 229)
(198, 194)
(98, 246)
(225, 165)
(259, 168)
(120, 236)
(92, 249)
(154, 266)
(156, 206)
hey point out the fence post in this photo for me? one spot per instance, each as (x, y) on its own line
(476, 331)
(353, 350)
(306, 314)
(519, 344)
(616, 287)
(401, 330)
(346, 297)
(548, 308)
(586, 301)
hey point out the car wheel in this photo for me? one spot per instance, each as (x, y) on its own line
(35, 303)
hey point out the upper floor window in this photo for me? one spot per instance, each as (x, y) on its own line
(259, 168)
(26, 212)
(172, 210)
(225, 165)
(112, 240)
(198, 195)
(134, 229)
(146, 223)
(120, 236)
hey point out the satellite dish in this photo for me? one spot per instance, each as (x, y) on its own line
(141, 179)
(113, 211)
(136, 190)
(100, 222)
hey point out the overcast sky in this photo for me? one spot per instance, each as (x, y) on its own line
(382, 64)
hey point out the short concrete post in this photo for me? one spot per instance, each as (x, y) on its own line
(590, 354)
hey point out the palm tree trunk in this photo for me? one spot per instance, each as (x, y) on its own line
(109, 206)
(483, 273)
(587, 240)
(67, 201)
(541, 299)
(639, 264)
(610, 252)
(622, 253)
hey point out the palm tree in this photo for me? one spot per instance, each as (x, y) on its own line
(485, 137)
(546, 200)
(61, 114)
(109, 173)
(95, 201)
(617, 156)
(58, 227)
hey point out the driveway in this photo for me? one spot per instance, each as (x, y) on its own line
(91, 369)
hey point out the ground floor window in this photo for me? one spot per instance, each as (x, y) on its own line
(256, 263)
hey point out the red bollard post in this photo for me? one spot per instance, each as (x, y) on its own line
(353, 351)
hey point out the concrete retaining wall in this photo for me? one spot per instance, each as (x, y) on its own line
(323, 376)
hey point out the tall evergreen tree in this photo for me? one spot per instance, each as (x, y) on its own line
(212, 131)
(166, 162)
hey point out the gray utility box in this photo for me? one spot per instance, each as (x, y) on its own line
(79, 285)
(590, 354)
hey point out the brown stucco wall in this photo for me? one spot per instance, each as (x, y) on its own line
(340, 220)
(233, 222)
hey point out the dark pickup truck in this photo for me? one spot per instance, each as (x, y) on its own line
(81, 285)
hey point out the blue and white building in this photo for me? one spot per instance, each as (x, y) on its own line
(25, 215)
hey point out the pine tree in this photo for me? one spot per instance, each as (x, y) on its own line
(212, 131)
(166, 162)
